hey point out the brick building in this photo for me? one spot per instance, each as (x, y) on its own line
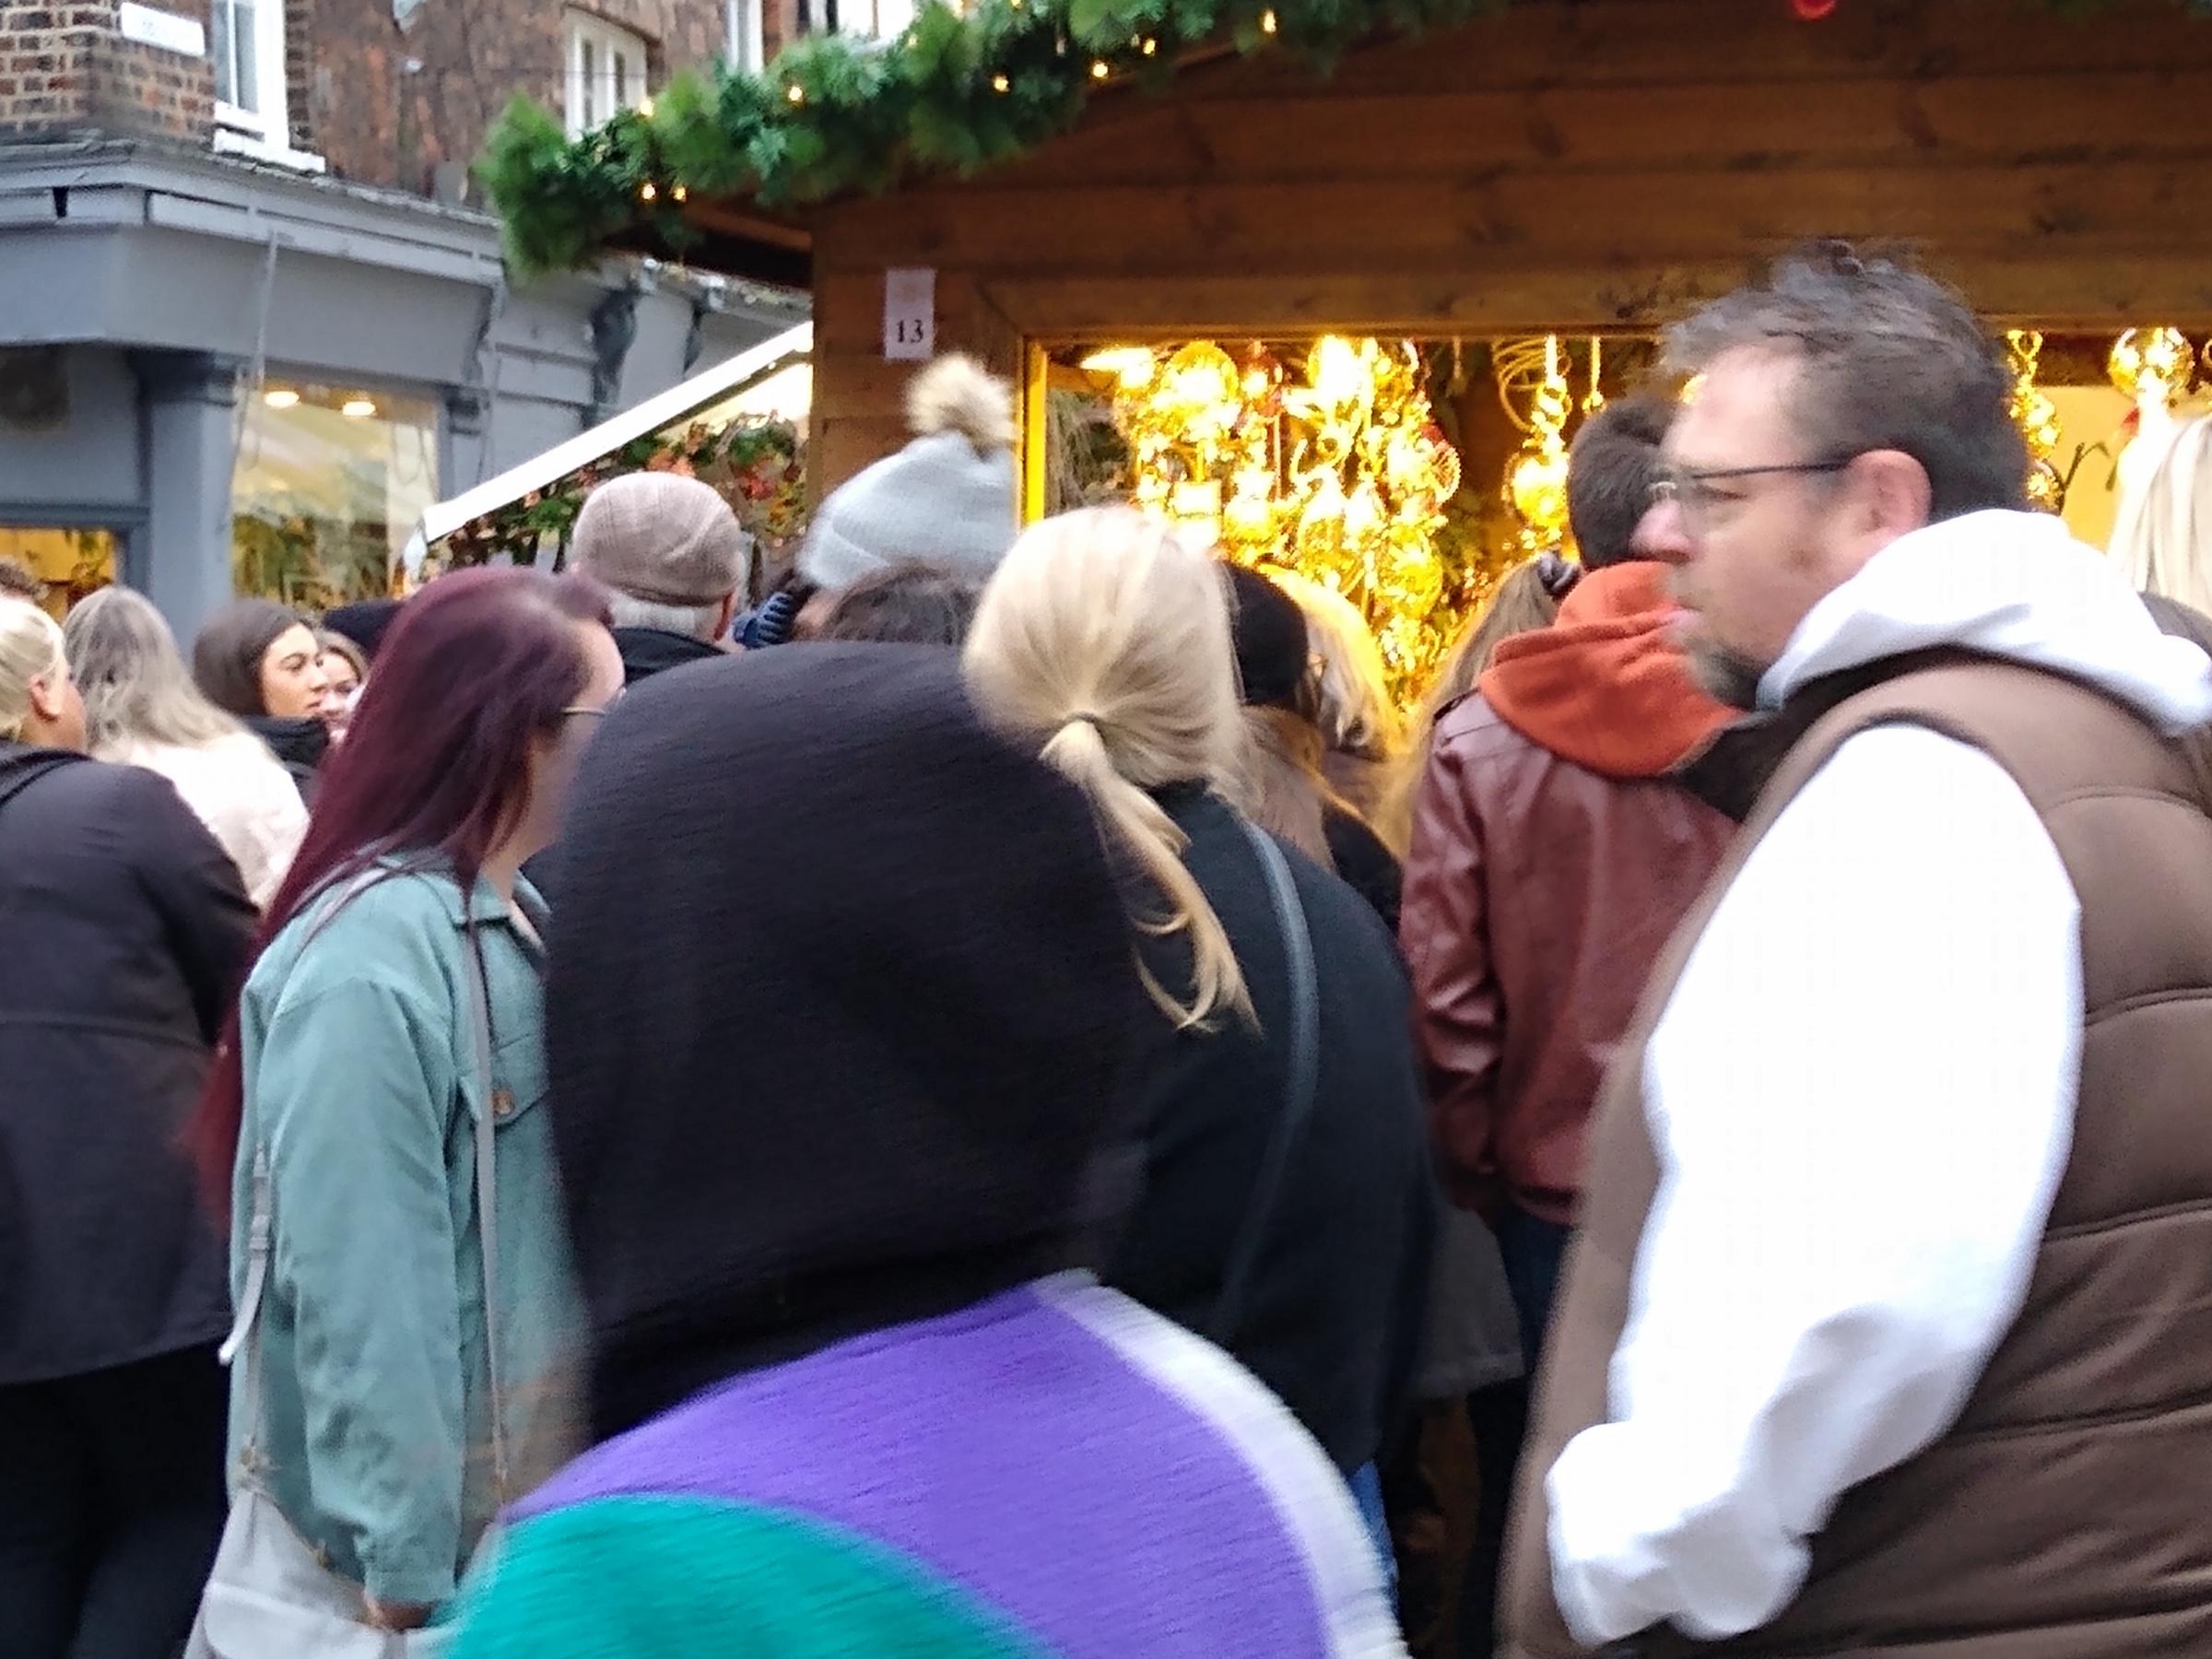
(255, 316)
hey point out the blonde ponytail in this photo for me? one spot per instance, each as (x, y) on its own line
(30, 648)
(1110, 639)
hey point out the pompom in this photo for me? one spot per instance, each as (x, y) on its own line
(955, 393)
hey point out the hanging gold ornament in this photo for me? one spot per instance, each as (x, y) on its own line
(2151, 364)
(1535, 478)
(2037, 416)
(1335, 469)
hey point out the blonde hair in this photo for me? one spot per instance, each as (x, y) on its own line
(135, 685)
(2163, 535)
(30, 648)
(1108, 641)
(1355, 713)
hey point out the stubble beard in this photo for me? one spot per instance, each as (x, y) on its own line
(1731, 679)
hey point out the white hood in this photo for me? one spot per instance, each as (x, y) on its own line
(2009, 584)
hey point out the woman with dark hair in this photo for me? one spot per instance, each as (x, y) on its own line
(383, 1074)
(259, 663)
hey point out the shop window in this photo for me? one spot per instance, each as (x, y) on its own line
(247, 44)
(330, 485)
(607, 69)
(867, 19)
(72, 562)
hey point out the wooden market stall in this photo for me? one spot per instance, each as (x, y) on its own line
(1596, 166)
(1561, 167)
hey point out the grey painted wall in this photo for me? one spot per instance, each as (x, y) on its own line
(93, 458)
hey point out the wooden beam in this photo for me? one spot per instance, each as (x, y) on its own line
(1481, 224)
(1323, 135)
(2056, 294)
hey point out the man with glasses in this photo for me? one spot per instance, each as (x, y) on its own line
(1891, 1321)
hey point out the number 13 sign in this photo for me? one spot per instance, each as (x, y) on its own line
(909, 317)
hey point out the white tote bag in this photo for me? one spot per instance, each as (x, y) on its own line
(269, 1596)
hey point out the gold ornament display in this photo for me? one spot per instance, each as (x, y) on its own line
(1331, 466)
(2037, 416)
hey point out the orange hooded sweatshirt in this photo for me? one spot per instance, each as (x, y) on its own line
(1607, 686)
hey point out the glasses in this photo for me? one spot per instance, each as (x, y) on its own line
(1694, 493)
(586, 712)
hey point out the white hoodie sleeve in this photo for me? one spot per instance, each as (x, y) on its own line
(1862, 1095)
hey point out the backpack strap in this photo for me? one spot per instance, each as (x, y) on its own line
(1298, 1096)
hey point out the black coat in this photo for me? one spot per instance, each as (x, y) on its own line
(1336, 1311)
(650, 650)
(126, 931)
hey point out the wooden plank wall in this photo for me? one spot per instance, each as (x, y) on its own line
(1577, 164)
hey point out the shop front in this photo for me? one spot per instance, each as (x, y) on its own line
(216, 378)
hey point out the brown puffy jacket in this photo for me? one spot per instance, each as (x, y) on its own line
(1553, 853)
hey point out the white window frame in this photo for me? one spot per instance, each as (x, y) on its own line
(589, 101)
(269, 128)
(859, 19)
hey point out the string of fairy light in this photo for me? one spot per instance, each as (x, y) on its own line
(958, 89)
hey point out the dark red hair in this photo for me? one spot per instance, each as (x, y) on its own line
(437, 761)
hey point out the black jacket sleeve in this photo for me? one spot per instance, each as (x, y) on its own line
(195, 890)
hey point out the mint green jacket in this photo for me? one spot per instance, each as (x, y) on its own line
(360, 1083)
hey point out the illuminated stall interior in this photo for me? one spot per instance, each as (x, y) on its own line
(1409, 475)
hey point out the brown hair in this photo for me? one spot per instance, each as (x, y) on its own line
(1888, 359)
(1610, 472)
(909, 604)
(226, 658)
(18, 581)
(1526, 600)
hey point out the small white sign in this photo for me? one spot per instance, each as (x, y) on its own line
(909, 317)
(165, 30)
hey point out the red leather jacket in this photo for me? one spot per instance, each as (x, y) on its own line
(1553, 855)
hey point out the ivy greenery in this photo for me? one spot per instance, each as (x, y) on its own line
(834, 115)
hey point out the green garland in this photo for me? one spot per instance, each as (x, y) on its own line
(832, 115)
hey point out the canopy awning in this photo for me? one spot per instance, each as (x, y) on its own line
(728, 379)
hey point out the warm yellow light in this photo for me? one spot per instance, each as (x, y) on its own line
(646, 191)
(1098, 71)
(645, 108)
(1133, 366)
(358, 409)
(682, 193)
(999, 83)
(1268, 22)
(1151, 46)
(796, 93)
(281, 397)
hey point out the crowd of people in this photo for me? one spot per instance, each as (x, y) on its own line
(979, 1105)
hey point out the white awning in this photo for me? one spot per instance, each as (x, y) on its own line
(725, 380)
